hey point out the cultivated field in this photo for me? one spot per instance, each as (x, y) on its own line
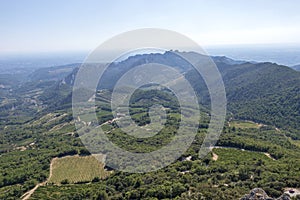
(244, 124)
(74, 169)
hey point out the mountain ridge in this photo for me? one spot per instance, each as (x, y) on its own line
(247, 84)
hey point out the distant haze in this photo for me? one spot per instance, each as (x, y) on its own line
(288, 55)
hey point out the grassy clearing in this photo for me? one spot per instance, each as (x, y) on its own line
(76, 169)
(228, 156)
(244, 124)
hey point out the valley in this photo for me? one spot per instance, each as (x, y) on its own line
(43, 157)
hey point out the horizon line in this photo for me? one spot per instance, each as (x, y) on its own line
(87, 51)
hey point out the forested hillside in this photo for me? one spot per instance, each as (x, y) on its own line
(259, 145)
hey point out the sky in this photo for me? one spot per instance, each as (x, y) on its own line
(82, 25)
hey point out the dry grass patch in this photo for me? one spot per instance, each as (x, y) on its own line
(244, 124)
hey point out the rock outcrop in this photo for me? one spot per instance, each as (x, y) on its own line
(260, 194)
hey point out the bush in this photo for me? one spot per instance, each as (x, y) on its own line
(65, 181)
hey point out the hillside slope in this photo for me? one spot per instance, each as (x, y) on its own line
(263, 92)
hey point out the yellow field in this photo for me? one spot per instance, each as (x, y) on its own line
(76, 169)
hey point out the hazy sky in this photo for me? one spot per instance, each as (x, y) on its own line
(62, 25)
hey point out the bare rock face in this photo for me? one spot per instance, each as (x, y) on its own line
(257, 194)
(284, 197)
(260, 194)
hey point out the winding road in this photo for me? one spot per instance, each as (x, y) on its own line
(215, 156)
(28, 194)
